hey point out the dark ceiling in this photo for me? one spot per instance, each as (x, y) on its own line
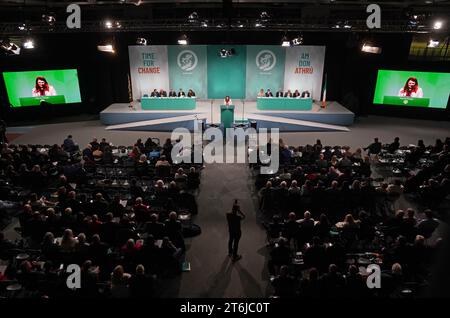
(214, 15)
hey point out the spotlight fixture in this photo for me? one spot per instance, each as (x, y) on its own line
(22, 27)
(258, 24)
(28, 44)
(433, 44)
(298, 40)
(118, 25)
(193, 17)
(141, 41)
(204, 24)
(369, 47)
(224, 53)
(183, 40)
(108, 24)
(238, 24)
(49, 18)
(108, 47)
(264, 16)
(437, 25)
(9, 47)
(285, 41)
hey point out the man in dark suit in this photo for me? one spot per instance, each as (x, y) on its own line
(154, 93)
(234, 219)
(279, 93)
(172, 93)
(162, 93)
(181, 93)
(269, 93)
(288, 93)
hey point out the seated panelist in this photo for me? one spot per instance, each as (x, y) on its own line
(191, 93)
(154, 93)
(162, 93)
(261, 93)
(172, 93)
(269, 93)
(288, 93)
(306, 94)
(181, 93)
(279, 93)
(296, 94)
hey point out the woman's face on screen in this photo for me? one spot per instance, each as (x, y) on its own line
(411, 83)
(41, 83)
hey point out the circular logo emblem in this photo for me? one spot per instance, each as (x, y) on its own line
(405, 101)
(187, 60)
(266, 60)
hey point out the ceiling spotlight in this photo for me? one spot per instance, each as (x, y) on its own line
(238, 24)
(433, 44)
(258, 24)
(285, 41)
(49, 19)
(298, 40)
(204, 24)
(437, 25)
(109, 48)
(264, 16)
(141, 41)
(223, 53)
(108, 24)
(28, 44)
(22, 27)
(183, 40)
(9, 48)
(118, 25)
(193, 17)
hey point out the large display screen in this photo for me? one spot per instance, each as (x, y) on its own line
(32, 88)
(411, 88)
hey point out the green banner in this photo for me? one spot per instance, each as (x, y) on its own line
(187, 68)
(226, 76)
(265, 69)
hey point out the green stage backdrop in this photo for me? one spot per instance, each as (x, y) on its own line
(435, 86)
(20, 84)
(265, 69)
(226, 76)
(187, 68)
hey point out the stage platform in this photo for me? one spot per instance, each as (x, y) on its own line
(334, 117)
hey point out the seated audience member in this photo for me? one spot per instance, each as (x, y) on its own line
(104, 144)
(374, 148)
(174, 230)
(284, 284)
(315, 255)
(333, 282)
(310, 287)
(427, 226)
(269, 93)
(181, 93)
(191, 93)
(119, 283)
(280, 255)
(288, 93)
(69, 145)
(393, 147)
(141, 211)
(141, 285)
(155, 228)
(172, 93)
(279, 93)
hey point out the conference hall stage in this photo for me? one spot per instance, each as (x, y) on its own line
(120, 116)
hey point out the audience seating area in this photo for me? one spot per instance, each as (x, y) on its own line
(330, 212)
(105, 208)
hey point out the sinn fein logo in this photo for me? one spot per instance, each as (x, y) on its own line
(266, 60)
(187, 60)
